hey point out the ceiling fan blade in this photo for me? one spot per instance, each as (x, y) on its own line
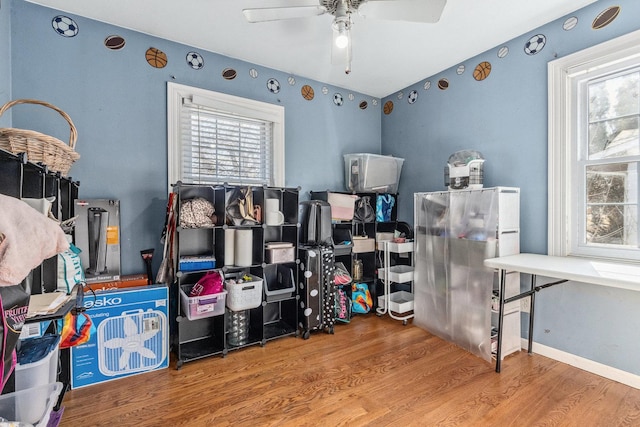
(427, 11)
(279, 13)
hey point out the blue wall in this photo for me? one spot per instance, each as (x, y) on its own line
(505, 117)
(5, 61)
(118, 104)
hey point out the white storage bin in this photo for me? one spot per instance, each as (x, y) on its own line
(399, 302)
(41, 367)
(398, 273)
(372, 172)
(32, 406)
(245, 295)
(202, 306)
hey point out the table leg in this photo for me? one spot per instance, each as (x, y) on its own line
(503, 278)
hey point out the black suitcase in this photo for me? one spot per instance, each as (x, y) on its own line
(315, 223)
(316, 290)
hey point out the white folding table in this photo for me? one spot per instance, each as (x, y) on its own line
(587, 270)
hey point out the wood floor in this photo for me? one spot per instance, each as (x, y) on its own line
(374, 371)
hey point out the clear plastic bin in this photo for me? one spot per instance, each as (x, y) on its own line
(32, 406)
(372, 173)
(202, 306)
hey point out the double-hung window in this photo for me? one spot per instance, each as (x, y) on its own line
(594, 151)
(216, 138)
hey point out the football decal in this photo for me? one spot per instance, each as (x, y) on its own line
(114, 42)
(605, 17)
(229, 74)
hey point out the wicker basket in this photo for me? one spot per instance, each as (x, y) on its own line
(40, 148)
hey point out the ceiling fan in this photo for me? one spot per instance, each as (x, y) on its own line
(423, 11)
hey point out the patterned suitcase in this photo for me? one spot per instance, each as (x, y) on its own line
(316, 289)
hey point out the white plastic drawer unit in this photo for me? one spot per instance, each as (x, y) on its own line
(135, 341)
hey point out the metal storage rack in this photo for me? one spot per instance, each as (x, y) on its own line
(398, 303)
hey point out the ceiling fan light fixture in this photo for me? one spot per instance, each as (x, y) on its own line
(342, 39)
(341, 26)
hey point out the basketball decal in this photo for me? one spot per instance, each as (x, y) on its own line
(535, 44)
(65, 26)
(482, 71)
(229, 74)
(195, 60)
(570, 23)
(605, 17)
(253, 73)
(156, 58)
(503, 51)
(427, 85)
(388, 107)
(114, 42)
(307, 92)
(460, 69)
(363, 105)
(443, 84)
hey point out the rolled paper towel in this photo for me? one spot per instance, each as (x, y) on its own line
(244, 248)
(229, 246)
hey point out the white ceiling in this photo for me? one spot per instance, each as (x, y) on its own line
(387, 56)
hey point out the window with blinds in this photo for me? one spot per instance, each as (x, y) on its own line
(218, 147)
(216, 138)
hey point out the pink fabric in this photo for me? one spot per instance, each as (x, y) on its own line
(27, 237)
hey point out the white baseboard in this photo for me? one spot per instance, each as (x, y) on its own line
(605, 371)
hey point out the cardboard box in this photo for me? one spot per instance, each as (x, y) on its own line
(131, 336)
(97, 234)
(363, 244)
(128, 281)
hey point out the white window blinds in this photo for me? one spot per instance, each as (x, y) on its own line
(217, 147)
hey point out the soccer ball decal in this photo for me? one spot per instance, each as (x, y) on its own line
(273, 85)
(413, 97)
(337, 99)
(194, 60)
(535, 44)
(64, 26)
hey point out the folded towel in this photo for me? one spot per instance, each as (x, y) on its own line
(27, 237)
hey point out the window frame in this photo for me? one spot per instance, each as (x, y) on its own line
(564, 75)
(225, 104)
